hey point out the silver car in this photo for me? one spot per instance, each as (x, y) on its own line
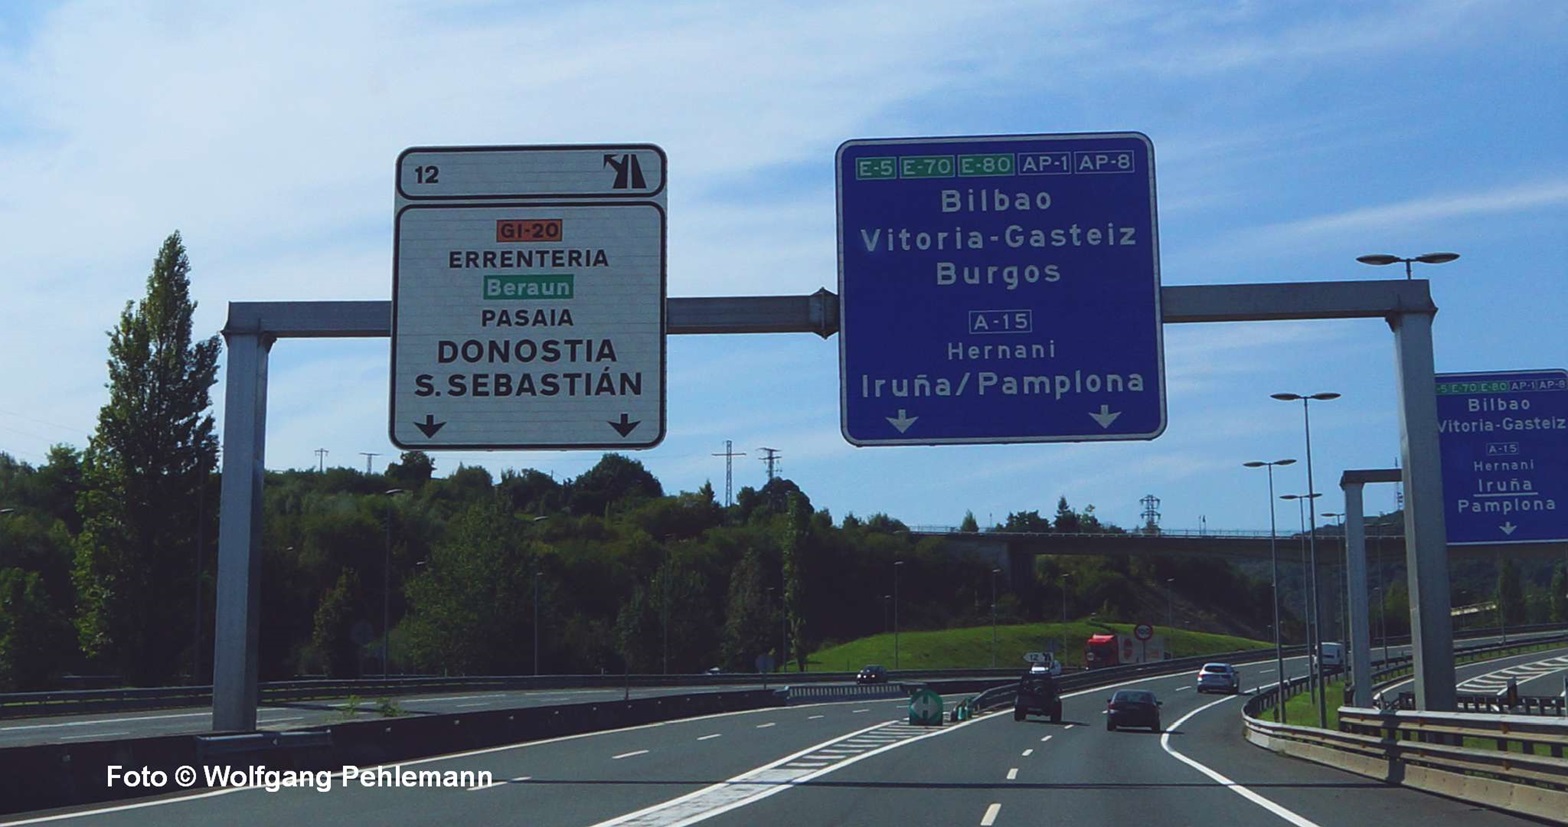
(1219, 677)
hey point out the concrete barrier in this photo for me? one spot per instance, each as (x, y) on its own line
(63, 775)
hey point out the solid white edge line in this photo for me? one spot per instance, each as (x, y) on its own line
(1165, 741)
(990, 815)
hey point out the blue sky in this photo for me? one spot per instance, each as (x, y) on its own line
(1289, 139)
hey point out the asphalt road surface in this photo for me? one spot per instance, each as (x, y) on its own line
(862, 764)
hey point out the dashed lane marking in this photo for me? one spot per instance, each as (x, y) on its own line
(990, 815)
(708, 737)
(1012, 774)
(630, 754)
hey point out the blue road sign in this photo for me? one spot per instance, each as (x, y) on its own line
(1504, 439)
(999, 289)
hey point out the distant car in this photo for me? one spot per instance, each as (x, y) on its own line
(1132, 707)
(1219, 677)
(872, 673)
(715, 670)
(1037, 695)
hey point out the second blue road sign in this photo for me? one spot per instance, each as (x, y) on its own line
(1504, 443)
(999, 289)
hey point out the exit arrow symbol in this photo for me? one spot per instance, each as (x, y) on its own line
(903, 421)
(1105, 417)
(429, 426)
(625, 426)
(1508, 527)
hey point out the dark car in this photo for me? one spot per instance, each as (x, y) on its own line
(1037, 695)
(1132, 707)
(872, 673)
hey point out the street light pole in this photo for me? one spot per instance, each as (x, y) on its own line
(386, 588)
(1279, 647)
(1063, 650)
(994, 573)
(1342, 580)
(1309, 601)
(896, 565)
(536, 623)
(1170, 615)
(1312, 537)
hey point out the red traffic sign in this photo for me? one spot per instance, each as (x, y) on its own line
(1143, 631)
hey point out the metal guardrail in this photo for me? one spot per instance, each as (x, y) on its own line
(1523, 771)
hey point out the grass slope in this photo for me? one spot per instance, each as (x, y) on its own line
(971, 647)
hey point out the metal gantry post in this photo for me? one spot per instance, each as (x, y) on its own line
(237, 626)
(1426, 539)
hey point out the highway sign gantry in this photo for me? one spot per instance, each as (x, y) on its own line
(999, 289)
(1504, 443)
(528, 297)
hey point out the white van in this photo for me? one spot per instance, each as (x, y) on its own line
(1333, 657)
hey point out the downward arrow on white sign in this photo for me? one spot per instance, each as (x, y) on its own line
(1105, 417)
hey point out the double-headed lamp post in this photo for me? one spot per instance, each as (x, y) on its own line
(1313, 609)
(994, 573)
(1312, 543)
(897, 564)
(1380, 259)
(1279, 647)
(386, 587)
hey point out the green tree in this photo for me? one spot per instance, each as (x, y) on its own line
(747, 628)
(141, 474)
(970, 524)
(332, 633)
(414, 469)
(32, 632)
(1066, 518)
(797, 529)
(613, 480)
(470, 612)
(1510, 593)
(1559, 595)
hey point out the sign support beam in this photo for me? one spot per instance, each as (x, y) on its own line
(252, 326)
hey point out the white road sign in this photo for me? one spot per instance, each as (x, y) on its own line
(528, 298)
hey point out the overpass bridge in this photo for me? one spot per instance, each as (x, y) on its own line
(1014, 551)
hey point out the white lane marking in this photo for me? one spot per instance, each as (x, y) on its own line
(814, 717)
(754, 785)
(1165, 741)
(629, 754)
(478, 787)
(714, 735)
(1069, 726)
(161, 802)
(479, 703)
(990, 815)
(765, 726)
(1182, 688)
(1046, 738)
(1012, 774)
(1028, 752)
(92, 735)
(444, 699)
(282, 720)
(104, 721)
(858, 711)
